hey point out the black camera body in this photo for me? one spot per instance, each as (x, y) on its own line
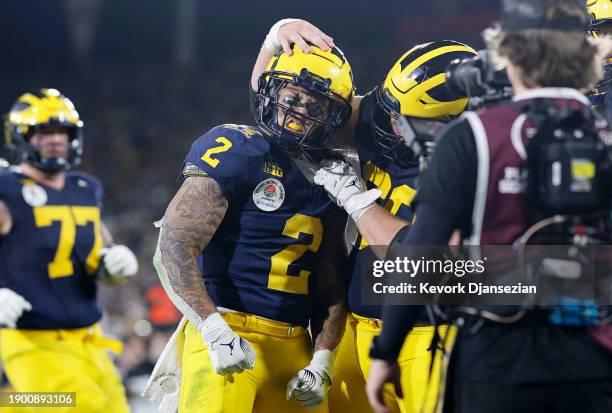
(478, 79)
(568, 161)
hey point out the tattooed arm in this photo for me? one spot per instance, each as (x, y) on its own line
(190, 221)
(329, 316)
(309, 386)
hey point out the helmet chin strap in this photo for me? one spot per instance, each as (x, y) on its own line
(53, 165)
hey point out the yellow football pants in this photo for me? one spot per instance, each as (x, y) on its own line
(64, 361)
(352, 367)
(281, 353)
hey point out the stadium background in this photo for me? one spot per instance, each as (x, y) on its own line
(150, 76)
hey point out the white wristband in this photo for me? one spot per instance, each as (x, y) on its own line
(359, 204)
(324, 360)
(271, 43)
(213, 327)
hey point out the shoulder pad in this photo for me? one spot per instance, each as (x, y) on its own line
(226, 153)
(10, 173)
(9, 181)
(245, 140)
(239, 140)
(84, 180)
(227, 146)
(78, 175)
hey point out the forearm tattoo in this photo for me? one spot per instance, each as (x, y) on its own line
(329, 317)
(190, 222)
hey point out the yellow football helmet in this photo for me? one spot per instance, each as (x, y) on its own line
(599, 13)
(599, 18)
(325, 75)
(415, 87)
(34, 111)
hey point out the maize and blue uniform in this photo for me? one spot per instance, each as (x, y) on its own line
(397, 182)
(260, 264)
(50, 257)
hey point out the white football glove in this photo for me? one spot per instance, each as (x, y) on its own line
(309, 386)
(346, 189)
(228, 352)
(12, 306)
(271, 43)
(119, 262)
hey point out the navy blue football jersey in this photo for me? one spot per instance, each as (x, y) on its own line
(396, 181)
(261, 260)
(51, 254)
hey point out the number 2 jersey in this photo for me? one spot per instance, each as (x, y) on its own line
(262, 258)
(396, 181)
(51, 254)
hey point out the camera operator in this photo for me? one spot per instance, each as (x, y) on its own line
(530, 365)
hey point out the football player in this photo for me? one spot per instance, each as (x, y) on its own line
(415, 87)
(267, 240)
(51, 251)
(599, 23)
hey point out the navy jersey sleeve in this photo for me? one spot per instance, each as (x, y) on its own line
(225, 153)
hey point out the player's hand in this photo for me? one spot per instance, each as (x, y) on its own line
(346, 189)
(309, 386)
(228, 352)
(119, 262)
(6, 221)
(382, 372)
(289, 31)
(12, 306)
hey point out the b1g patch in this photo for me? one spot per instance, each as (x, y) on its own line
(34, 195)
(269, 195)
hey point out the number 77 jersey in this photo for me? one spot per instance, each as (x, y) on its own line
(52, 252)
(261, 260)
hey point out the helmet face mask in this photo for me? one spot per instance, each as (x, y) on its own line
(599, 23)
(389, 139)
(35, 115)
(300, 115)
(50, 155)
(599, 17)
(390, 143)
(301, 109)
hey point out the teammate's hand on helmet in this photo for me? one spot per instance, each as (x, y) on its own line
(309, 386)
(346, 189)
(285, 32)
(229, 353)
(12, 306)
(119, 262)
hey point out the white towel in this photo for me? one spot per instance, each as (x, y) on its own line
(165, 382)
